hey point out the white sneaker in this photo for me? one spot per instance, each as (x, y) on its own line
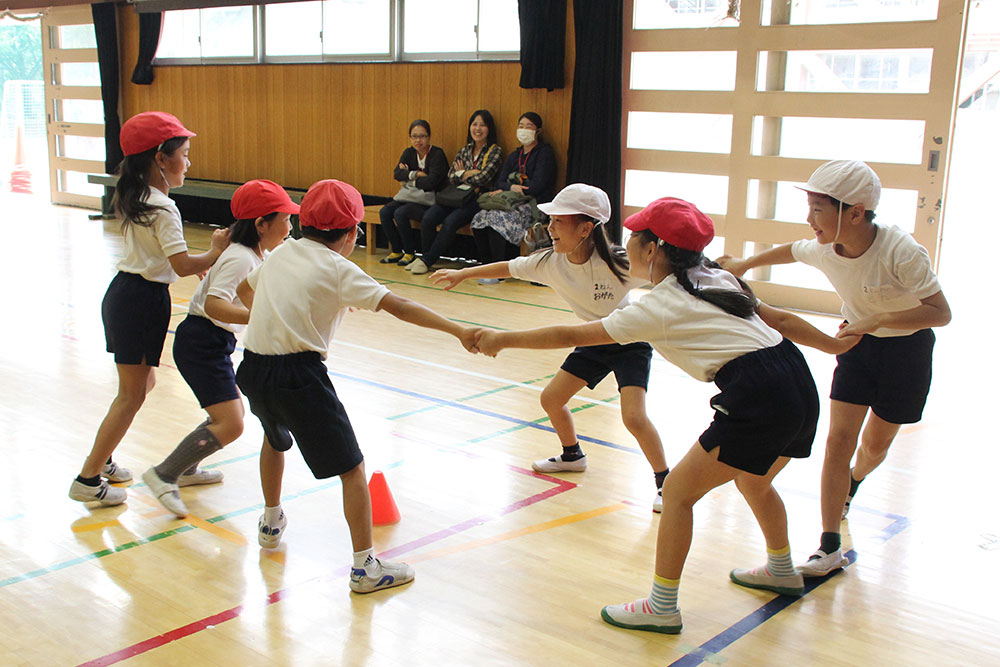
(269, 537)
(658, 501)
(821, 564)
(104, 493)
(200, 476)
(417, 267)
(166, 493)
(639, 616)
(115, 473)
(380, 574)
(759, 577)
(556, 464)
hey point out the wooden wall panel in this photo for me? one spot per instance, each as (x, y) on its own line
(296, 124)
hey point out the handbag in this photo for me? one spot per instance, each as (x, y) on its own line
(456, 196)
(413, 195)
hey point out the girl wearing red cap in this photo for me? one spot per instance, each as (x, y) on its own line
(705, 321)
(136, 308)
(591, 274)
(207, 337)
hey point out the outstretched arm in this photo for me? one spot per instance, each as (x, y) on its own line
(781, 254)
(449, 278)
(933, 311)
(490, 341)
(797, 330)
(226, 311)
(415, 313)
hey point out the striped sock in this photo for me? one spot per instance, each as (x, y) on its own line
(779, 562)
(663, 598)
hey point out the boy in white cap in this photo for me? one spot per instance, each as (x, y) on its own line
(297, 298)
(892, 298)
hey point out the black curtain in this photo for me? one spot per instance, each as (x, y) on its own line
(543, 43)
(106, 32)
(149, 39)
(595, 126)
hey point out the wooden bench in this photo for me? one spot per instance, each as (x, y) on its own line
(371, 219)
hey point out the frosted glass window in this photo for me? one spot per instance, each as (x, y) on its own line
(868, 139)
(683, 70)
(690, 132)
(708, 192)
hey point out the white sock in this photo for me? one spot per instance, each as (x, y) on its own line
(361, 558)
(272, 515)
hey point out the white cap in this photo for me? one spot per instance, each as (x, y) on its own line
(849, 181)
(580, 199)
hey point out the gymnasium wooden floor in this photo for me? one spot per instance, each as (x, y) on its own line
(512, 567)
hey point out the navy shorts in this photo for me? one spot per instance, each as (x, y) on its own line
(202, 353)
(136, 314)
(292, 396)
(890, 375)
(630, 364)
(767, 409)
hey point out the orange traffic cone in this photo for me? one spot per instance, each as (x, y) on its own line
(20, 176)
(384, 510)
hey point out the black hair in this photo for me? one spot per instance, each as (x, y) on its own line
(491, 135)
(129, 200)
(533, 117)
(741, 304)
(613, 255)
(325, 235)
(245, 231)
(869, 215)
(421, 123)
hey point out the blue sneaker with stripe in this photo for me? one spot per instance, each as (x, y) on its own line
(379, 574)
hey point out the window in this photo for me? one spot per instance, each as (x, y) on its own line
(343, 30)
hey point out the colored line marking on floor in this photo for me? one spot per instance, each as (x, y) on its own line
(752, 621)
(87, 527)
(144, 646)
(478, 296)
(471, 397)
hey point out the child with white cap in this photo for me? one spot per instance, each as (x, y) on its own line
(296, 299)
(704, 320)
(892, 299)
(591, 274)
(136, 308)
(206, 338)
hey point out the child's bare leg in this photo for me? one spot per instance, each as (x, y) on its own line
(226, 420)
(272, 469)
(134, 382)
(875, 441)
(766, 504)
(555, 399)
(845, 425)
(358, 507)
(636, 420)
(695, 475)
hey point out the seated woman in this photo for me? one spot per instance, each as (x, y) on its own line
(476, 165)
(531, 171)
(422, 170)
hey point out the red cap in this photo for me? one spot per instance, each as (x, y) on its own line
(258, 198)
(676, 222)
(331, 204)
(150, 129)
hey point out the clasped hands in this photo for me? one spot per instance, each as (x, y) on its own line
(480, 340)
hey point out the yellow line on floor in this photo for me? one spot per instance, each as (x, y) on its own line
(96, 526)
(218, 531)
(520, 532)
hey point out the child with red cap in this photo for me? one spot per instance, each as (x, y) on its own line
(297, 298)
(891, 299)
(136, 308)
(704, 320)
(207, 337)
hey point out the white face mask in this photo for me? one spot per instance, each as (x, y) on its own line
(525, 136)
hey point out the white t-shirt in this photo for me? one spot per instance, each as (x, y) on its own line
(590, 289)
(301, 292)
(691, 333)
(147, 248)
(229, 270)
(894, 274)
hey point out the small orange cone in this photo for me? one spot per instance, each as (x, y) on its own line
(384, 510)
(20, 176)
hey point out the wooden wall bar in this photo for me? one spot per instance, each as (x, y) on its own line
(296, 124)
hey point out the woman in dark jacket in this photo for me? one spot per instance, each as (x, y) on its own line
(423, 170)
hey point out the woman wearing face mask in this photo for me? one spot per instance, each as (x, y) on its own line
(530, 170)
